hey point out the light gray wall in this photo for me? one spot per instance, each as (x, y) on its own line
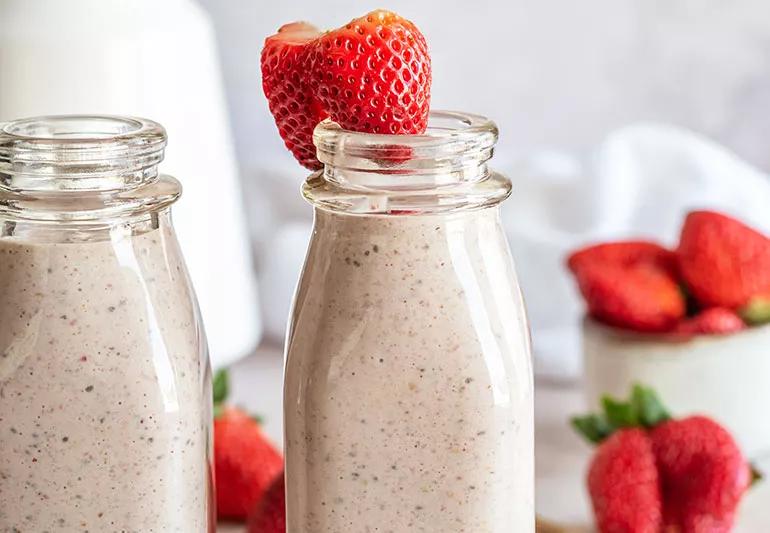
(552, 73)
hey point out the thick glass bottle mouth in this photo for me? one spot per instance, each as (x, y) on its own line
(79, 152)
(82, 169)
(455, 147)
(441, 171)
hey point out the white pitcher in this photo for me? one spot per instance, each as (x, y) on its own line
(152, 59)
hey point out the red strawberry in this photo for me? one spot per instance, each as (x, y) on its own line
(624, 253)
(641, 297)
(629, 284)
(623, 484)
(270, 514)
(703, 474)
(723, 261)
(245, 463)
(284, 81)
(712, 321)
(374, 75)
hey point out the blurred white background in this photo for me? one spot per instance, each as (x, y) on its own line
(550, 72)
(612, 114)
(558, 77)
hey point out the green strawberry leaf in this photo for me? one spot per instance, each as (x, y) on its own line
(644, 409)
(620, 414)
(756, 312)
(649, 409)
(756, 475)
(221, 386)
(593, 428)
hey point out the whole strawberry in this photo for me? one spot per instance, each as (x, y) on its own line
(284, 81)
(629, 284)
(712, 321)
(623, 484)
(723, 262)
(245, 461)
(703, 474)
(698, 472)
(270, 513)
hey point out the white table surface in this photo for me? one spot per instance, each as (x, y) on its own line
(561, 456)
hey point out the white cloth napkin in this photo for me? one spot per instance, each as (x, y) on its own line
(640, 182)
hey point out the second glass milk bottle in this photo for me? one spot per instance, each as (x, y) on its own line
(105, 395)
(408, 388)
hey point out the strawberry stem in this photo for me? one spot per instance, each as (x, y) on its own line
(647, 404)
(756, 475)
(620, 414)
(756, 312)
(221, 387)
(221, 390)
(594, 428)
(642, 409)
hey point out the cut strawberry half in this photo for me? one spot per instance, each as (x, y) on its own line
(284, 80)
(372, 75)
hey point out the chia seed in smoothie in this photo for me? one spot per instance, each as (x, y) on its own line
(408, 398)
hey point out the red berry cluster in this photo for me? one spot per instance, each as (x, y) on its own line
(715, 282)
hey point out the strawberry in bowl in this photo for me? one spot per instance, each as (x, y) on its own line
(690, 321)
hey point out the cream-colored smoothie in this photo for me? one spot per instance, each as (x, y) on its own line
(103, 402)
(408, 382)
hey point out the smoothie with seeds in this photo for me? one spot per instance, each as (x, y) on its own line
(408, 380)
(101, 407)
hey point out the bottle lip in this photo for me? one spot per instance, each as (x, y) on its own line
(78, 150)
(440, 172)
(452, 141)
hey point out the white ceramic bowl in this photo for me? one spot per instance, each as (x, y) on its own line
(724, 376)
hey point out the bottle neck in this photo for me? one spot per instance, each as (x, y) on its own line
(409, 196)
(82, 168)
(441, 171)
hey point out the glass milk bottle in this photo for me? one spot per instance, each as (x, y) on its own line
(408, 389)
(104, 377)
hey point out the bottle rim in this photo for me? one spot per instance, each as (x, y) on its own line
(454, 141)
(83, 169)
(441, 171)
(79, 151)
